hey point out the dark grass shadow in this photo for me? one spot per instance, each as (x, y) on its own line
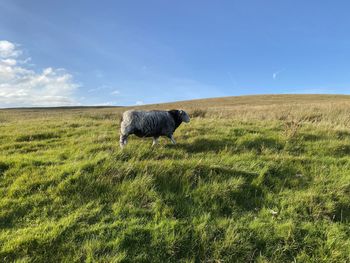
(311, 137)
(342, 134)
(189, 191)
(207, 145)
(255, 144)
(341, 150)
(4, 167)
(276, 177)
(259, 143)
(342, 212)
(38, 137)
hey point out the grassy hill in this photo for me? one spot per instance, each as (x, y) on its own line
(252, 179)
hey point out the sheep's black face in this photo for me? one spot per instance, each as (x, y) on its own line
(184, 116)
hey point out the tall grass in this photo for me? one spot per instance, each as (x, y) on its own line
(246, 182)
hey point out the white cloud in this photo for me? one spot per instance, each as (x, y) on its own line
(8, 49)
(107, 103)
(93, 90)
(102, 87)
(115, 92)
(139, 102)
(9, 61)
(22, 86)
(311, 90)
(275, 74)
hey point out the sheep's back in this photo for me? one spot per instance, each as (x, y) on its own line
(150, 123)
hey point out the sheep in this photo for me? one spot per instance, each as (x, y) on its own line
(153, 123)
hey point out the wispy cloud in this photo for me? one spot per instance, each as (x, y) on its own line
(115, 92)
(107, 103)
(232, 79)
(99, 74)
(103, 87)
(20, 85)
(276, 73)
(311, 90)
(139, 102)
(106, 88)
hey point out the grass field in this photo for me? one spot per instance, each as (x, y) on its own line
(252, 179)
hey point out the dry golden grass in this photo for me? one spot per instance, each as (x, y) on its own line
(327, 110)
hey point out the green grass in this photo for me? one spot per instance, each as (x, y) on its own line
(240, 186)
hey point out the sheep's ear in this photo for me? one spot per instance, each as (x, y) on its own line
(181, 112)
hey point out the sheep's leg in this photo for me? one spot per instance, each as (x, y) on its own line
(123, 140)
(155, 140)
(171, 137)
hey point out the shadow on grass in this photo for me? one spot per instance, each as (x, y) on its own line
(207, 145)
(341, 150)
(222, 191)
(246, 143)
(38, 136)
(3, 167)
(188, 191)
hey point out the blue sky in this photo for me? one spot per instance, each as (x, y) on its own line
(134, 52)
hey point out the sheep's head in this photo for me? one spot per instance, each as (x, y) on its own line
(184, 116)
